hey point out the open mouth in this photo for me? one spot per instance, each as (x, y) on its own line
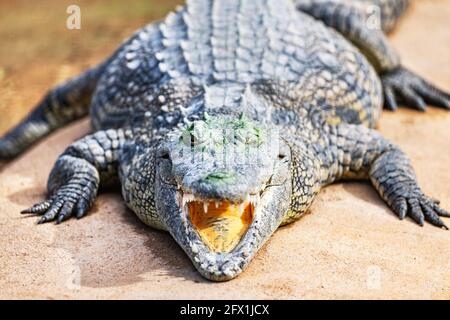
(220, 224)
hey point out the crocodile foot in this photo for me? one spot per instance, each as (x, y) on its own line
(411, 90)
(419, 207)
(66, 202)
(71, 193)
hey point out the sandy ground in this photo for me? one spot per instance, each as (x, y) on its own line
(350, 246)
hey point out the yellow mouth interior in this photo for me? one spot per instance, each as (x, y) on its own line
(223, 225)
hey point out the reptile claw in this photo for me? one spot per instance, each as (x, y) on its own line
(69, 200)
(421, 208)
(441, 212)
(389, 98)
(411, 89)
(38, 208)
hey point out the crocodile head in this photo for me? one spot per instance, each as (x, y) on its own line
(223, 186)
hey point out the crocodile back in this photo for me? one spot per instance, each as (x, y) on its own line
(209, 43)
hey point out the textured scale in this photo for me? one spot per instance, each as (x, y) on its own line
(254, 41)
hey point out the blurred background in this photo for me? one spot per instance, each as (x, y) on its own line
(37, 51)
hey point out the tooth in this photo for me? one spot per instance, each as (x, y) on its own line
(254, 199)
(188, 198)
(241, 208)
(217, 204)
(205, 206)
(179, 200)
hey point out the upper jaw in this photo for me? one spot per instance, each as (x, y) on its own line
(186, 198)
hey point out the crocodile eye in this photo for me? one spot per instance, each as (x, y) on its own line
(165, 156)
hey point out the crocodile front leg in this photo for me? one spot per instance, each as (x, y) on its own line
(76, 176)
(355, 151)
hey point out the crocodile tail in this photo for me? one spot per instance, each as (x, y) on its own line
(61, 105)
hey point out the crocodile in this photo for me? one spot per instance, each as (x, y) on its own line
(222, 122)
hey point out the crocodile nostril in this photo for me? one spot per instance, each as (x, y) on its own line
(164, 154)
(220, 176)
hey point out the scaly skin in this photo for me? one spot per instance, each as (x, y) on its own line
(252, 103)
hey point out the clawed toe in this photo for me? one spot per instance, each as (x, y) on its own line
(409, 88)
(38, 208)
(441, 212)
(433, 95)
(432, 217)
(415, 211)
